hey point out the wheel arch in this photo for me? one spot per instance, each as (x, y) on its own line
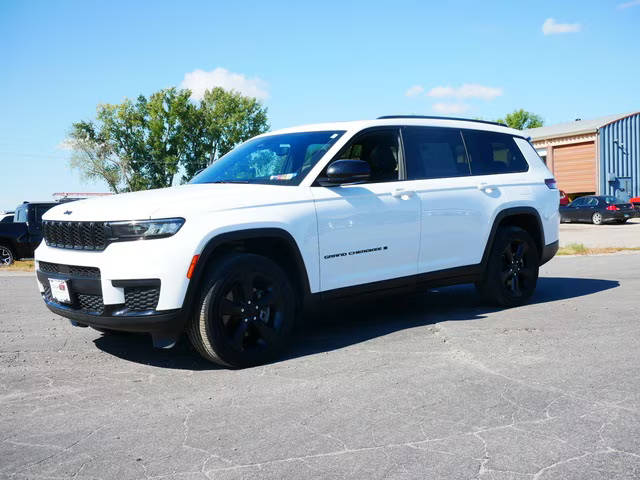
(526, 218)
(274, 243)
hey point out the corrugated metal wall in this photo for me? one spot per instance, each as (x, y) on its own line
(620, 155)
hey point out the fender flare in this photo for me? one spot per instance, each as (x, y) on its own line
(510, 212)
(236, 235)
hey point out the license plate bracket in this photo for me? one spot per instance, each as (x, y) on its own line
(60, 290)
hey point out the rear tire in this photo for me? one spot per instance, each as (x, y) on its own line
(245, 312)
(512, 270)
(596, 218)
(7, 257)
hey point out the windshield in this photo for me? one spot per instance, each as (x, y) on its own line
(275, 159)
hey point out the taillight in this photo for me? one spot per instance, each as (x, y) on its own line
(551, 183)
(612, 208)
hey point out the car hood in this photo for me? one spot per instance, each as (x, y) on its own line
(180, 201)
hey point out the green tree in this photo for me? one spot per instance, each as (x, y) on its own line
(521, 120)
(142, 144)
(226, 118)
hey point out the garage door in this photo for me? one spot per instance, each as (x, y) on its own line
(574, 167)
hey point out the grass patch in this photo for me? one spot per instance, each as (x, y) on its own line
(580, 249)
(19, 266)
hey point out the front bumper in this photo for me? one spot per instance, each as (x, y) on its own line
(138, 313)
(148, 322)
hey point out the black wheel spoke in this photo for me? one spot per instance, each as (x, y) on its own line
(266, 300)
(238, 336)
(228, 307)
(266, 332)
(520, 251)
(515, 284)
(509, 254)
(247, 286)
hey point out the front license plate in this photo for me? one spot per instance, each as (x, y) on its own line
(60, 290)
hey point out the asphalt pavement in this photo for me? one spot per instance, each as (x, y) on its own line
(600, 236)
(427, 386)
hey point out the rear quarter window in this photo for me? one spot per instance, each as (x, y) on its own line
(492, 153)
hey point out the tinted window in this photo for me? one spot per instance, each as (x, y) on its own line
(579, 202)
(275, 159)
(611, 200)
(434, 153)
(21, 215)
(39, 211)
(493, 153)
(379, 148)
(7, 219)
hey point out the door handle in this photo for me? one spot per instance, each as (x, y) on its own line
(402, 193)
(486, 188)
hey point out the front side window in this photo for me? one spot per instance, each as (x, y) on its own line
(434, 153)
(493, 153)
(579, 202)
(379, 148)
(282, 159)
(21, 215)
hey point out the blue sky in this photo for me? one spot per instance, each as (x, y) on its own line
(308, 61)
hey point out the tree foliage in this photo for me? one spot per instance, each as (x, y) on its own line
(144, 144)
(521, 120)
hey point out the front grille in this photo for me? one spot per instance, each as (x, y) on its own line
(74, 270)
(75, 235)
(138, 299)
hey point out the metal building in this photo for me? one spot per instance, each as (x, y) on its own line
(600, 155)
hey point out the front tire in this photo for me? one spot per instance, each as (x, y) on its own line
(596, 218)
(512, 270)
(245, 312)
(7, 257)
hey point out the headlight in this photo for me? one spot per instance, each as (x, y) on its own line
(144, 229)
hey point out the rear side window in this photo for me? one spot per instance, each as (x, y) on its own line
(433, 152)
(493, 153)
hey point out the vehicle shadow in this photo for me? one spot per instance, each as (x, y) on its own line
(341, 323)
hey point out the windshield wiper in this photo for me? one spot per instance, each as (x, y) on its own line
(230, 181)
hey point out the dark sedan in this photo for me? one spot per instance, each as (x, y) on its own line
(597, 210)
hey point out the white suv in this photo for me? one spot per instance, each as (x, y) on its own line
(398, 203)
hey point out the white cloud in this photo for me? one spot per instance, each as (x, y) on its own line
(447, 108)
(414, 91)
(551, 27)
(468, 90)
(198, 81)
(632, 3)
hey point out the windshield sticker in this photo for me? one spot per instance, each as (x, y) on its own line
(284, 176)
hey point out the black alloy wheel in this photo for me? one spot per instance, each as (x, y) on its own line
(516, 275)
(245, 313)
(512, 269)
(6, 256)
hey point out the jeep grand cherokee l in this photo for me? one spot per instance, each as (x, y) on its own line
(397, 203)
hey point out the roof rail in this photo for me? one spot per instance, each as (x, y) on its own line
(431, 117)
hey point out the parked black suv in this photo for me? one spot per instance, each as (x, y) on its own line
(18, 239)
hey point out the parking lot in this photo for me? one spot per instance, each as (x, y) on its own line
(430, 386)
(609, 235)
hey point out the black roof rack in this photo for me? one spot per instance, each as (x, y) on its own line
(431, 117)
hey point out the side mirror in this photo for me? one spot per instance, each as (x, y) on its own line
(347, 171)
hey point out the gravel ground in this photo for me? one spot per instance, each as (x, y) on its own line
(596, 236)
(427, 386)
